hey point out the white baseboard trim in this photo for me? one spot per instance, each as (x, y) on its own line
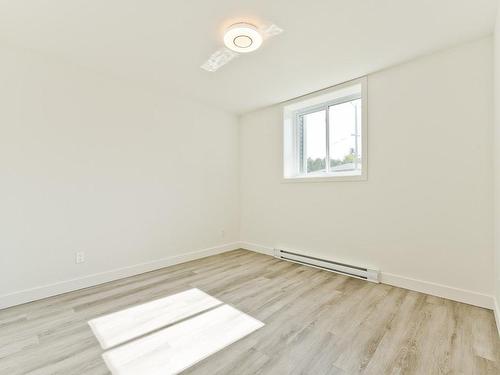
(439, 290)
(496, 310)
(427, 287)
(33, 294)
(257, 248)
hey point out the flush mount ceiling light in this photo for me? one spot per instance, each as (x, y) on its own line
(239, 38)
(242, 38)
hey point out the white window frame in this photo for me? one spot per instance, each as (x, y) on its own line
(322, 100)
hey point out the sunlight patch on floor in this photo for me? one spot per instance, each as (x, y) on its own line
(171, 334)
(125, 325)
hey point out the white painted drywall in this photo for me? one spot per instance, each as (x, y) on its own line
(497, 165)
(425, 211)
(89, 163)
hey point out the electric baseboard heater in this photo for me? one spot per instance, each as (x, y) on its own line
(363, 273)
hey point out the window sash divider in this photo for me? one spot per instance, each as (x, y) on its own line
(327, 140)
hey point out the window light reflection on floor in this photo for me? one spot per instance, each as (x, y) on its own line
(169, 335)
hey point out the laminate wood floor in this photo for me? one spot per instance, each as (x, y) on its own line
(316, 322)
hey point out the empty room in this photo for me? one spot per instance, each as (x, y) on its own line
(249, 187)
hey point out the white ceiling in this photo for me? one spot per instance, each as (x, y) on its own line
(164, 42)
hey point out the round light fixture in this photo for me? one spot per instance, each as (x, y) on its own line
(242, 37)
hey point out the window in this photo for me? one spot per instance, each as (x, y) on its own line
(325, 135)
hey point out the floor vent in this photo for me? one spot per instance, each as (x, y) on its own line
(329, 265)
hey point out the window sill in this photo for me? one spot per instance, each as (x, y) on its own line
(325, 178)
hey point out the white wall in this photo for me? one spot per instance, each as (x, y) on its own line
(497, 165)
(425, 212)
(90, 163)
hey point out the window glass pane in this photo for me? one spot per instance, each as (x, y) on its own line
(345, 136)
(313, 142)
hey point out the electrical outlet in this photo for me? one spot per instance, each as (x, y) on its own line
(80, 257)
(222, 233)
